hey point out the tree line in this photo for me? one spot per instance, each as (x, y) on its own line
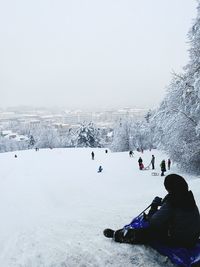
(175, 125)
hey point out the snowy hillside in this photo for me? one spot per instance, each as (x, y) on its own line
(54, 206)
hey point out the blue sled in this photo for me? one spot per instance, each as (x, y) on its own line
(179, 256)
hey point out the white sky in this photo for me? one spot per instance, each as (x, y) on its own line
(91, 53)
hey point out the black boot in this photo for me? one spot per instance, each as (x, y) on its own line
(124, 236)
(109, 233)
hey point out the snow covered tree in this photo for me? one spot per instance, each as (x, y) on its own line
(121, 136)
(88, 136)
(47, 138)
(130, 135)
(178, 120)
(148, 116)
(141, 136)
(31, 141)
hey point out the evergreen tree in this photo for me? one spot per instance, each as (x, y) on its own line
(88, 136)
(31, 141)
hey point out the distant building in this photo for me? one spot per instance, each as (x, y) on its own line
(5, 133)
(10, 135)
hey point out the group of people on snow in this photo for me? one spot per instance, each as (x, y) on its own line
(141, 164)
(174, 220)
(152, 163)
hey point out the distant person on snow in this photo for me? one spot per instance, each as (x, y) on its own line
(15, 156)
(106, 151)
(168, 164)
(140, 161)
(131, 153)
(100, 169)
(176, 223)
(163, 167)
(153, 162)
(92, 154)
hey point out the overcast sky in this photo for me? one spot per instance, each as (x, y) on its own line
(91, 53)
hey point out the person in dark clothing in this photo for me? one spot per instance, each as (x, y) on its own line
(100, 169)
(140, 161)
(176, 223)
(163, 167)
(168, 164)
(130, 153)
(106, 151)
(92, 154)
(153, 162)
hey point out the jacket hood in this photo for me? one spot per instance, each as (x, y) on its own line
(175, 184)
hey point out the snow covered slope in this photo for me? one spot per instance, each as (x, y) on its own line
(54, 206)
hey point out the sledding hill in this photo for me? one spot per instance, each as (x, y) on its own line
(54, 206)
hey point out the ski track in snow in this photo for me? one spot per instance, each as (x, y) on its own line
(54, 206)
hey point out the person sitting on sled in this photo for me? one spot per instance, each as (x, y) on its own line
(176, 223)
(100, 169)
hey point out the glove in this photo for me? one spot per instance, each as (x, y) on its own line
(156, 202)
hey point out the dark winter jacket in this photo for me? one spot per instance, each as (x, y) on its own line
(179, 215)
(153, 160)
(163, 166)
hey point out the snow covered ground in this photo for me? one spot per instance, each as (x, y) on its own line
(54, 206)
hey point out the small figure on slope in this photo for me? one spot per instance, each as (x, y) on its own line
(163, 167)
(141, 165)
(100, 169)
(153, 162)
(131, 153)
(92, 154)
(168, 164)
